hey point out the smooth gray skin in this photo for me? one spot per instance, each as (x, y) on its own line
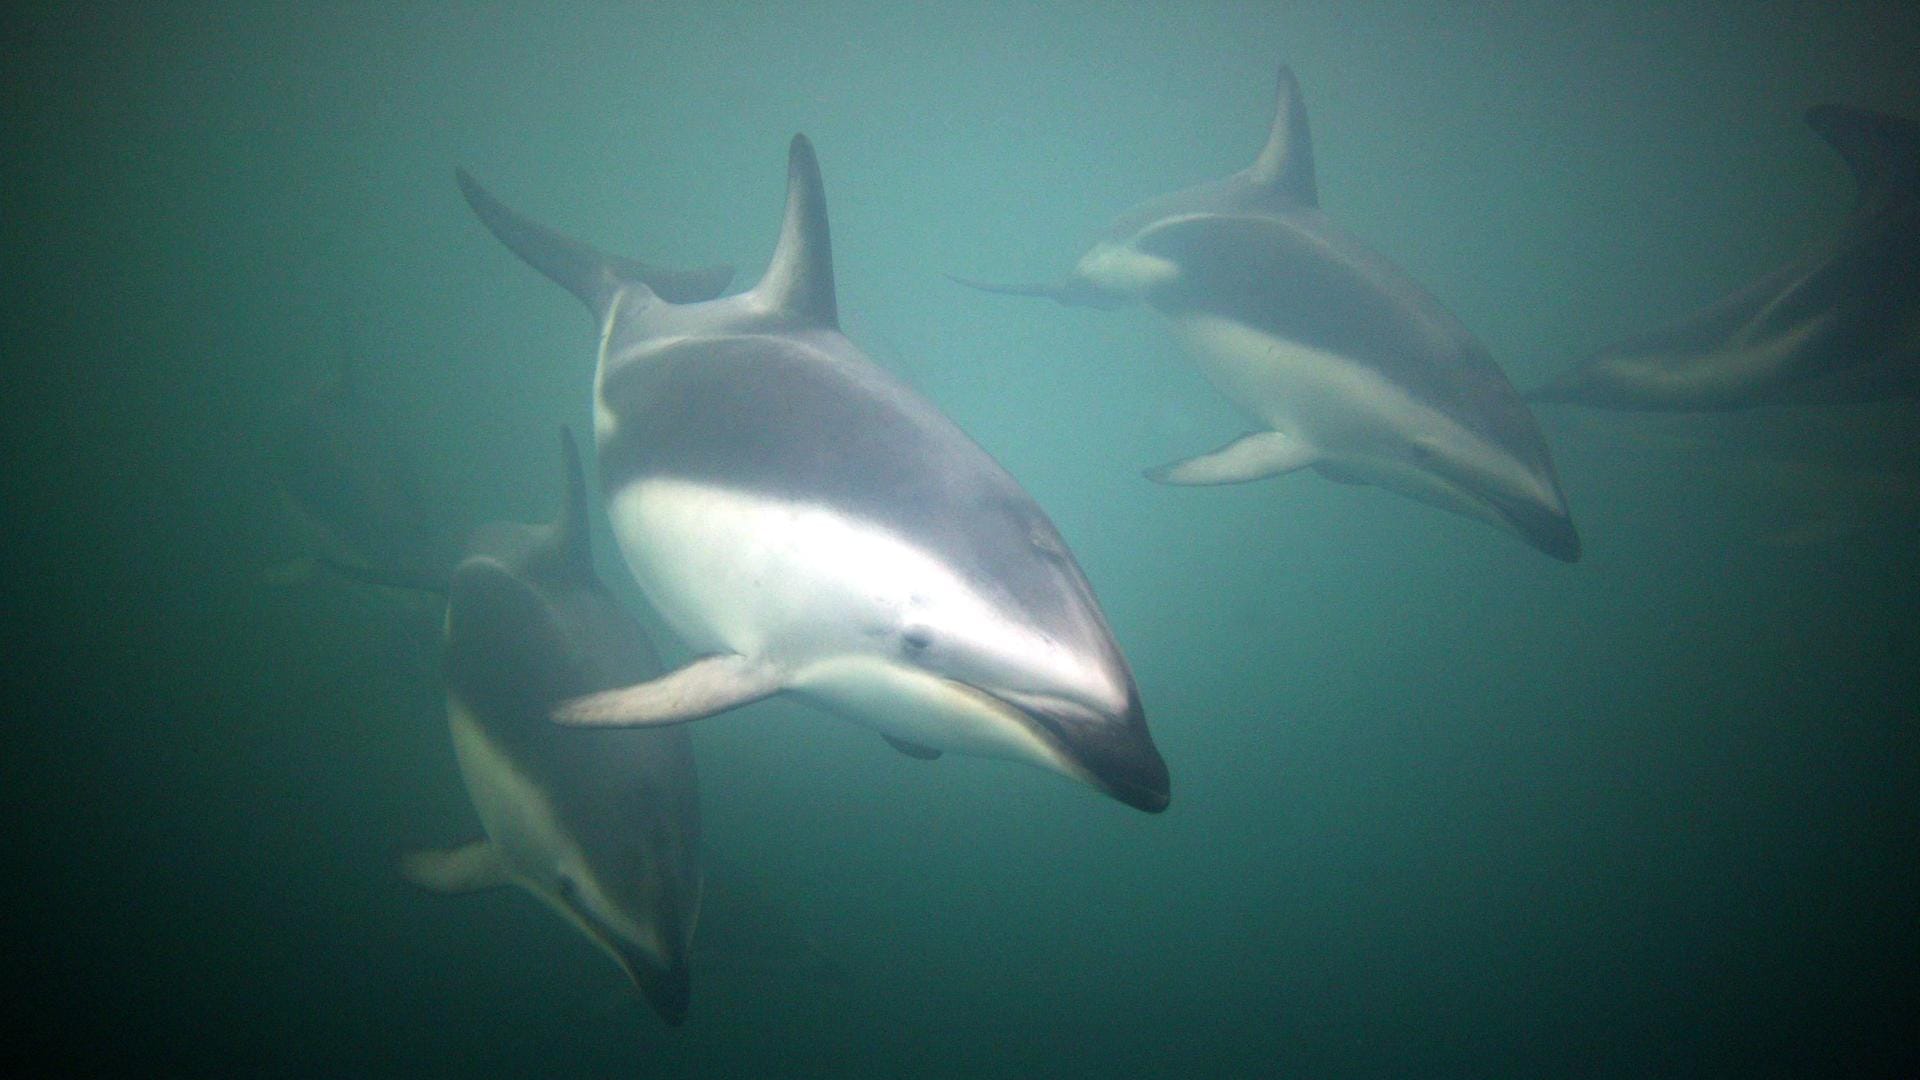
(758, 401)
(1839, 324)
(602, 824)
(1345, 362)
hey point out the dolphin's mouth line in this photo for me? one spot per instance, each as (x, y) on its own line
(1150, 795)
(1552, 531)
(651, 972)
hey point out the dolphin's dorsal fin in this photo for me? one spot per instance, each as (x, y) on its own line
(799, 281)
(1882, 151)
(1286, 162)
(570, 534)
(583, 270)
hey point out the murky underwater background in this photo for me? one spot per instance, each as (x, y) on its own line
(1442, 806)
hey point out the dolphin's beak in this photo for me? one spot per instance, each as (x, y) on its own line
(1547, 528)
(1112, 753)
(669, 990)
(666, 982)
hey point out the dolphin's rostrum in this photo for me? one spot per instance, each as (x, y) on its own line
(808, 525)
(1346, 364)
(1839, 324)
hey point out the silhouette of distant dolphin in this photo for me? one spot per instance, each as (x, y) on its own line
(1346, 363)
(1839, 324)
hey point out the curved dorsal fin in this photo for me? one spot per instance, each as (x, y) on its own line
(1882, 151)
(571, 540)
(799, 281)
(1286, 162)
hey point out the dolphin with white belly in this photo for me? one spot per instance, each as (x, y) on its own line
(1344, 362)
(808, 525)
(1839, 324)
(602, 824)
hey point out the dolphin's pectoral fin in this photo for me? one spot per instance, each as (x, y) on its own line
(1250, 457)
(470, 867)
(709, 685)
(911, 749)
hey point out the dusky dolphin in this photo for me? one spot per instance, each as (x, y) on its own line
(349, 480)
(1346, 364)
(603, 824)
(1839, 324)
(807, 524)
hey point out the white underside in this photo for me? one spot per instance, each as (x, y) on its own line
(1354, 419)
(823, 598)
(528, 837)
(1352, 416)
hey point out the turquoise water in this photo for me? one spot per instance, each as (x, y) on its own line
(1442, 806)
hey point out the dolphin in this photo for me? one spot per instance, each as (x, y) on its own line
(345, 473)
(603, 824)
(1344, 363)
(808, 525)
(1839, 324)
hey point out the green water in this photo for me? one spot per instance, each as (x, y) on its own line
(1442, 806)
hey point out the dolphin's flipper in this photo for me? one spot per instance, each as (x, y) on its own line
(470, 867)
(1250, 457)
(586, 272)
(709, 685)
(911, 749)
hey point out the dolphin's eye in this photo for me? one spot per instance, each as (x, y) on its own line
(916, 639)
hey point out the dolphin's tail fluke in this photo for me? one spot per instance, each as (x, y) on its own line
(588, 273)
